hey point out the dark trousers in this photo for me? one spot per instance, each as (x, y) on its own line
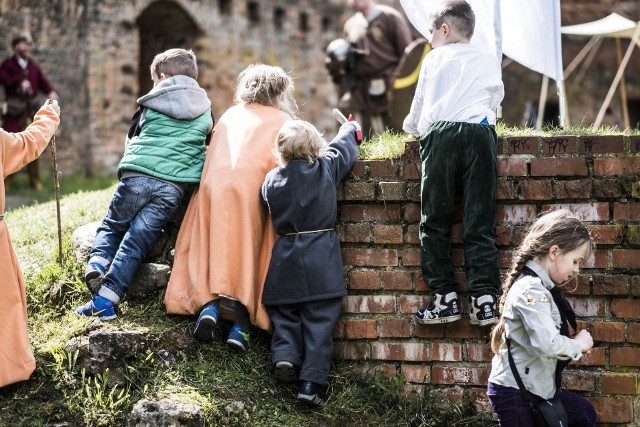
(303, 335)
(512, 410)
(459, 156)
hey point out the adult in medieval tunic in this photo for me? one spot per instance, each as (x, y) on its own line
(22, 80)
(16, 150)
(379, 35)
(224, 245)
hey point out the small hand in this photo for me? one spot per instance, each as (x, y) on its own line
(52, 104)
(585, 340)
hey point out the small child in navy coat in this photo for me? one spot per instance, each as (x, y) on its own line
(305, 283)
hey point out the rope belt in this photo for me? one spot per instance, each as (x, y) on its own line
(308, 232)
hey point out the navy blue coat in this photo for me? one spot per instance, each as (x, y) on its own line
(302, 197)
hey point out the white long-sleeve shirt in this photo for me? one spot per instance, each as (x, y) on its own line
(458, 82)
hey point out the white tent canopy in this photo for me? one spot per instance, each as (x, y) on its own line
(618, 27)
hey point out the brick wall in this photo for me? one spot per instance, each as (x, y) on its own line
(596, 177)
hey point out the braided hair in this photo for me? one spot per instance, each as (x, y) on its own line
(557, 228)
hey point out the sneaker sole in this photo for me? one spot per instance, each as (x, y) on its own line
(447, 319)
(115, 316)
(484, 322)
(205, 329)
(236, 345)
(312, 400)
(285, 374)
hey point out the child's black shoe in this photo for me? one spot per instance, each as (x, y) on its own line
(313, 394)
(284, 371)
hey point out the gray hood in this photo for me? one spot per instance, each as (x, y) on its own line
(179, 97)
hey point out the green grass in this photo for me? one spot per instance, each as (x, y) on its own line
(389, 145)
(233, 389)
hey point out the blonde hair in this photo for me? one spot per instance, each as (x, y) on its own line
(263, 84)
(459, 15)
(299, 140)
(175, 62)
(557, 228)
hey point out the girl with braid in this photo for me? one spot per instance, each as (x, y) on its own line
(535, 322)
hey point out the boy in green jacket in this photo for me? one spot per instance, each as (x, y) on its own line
(164, 156)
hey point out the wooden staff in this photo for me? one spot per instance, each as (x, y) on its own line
(56, 184)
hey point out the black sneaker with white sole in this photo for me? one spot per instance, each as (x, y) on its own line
(483, 309)
(443, 309)
(284, 371)
(313, 394)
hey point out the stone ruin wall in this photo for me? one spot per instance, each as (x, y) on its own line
(97, 55)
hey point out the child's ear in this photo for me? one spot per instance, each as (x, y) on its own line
(554, 251)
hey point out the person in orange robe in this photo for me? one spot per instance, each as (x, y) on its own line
(224, 245)
(16, 150)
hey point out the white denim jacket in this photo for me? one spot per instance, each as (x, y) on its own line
(533, 326)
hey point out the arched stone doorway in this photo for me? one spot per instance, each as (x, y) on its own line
(162, 25)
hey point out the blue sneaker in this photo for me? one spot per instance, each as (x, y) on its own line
(238, 339)
(93, 276)
(205, 329)
(99, 307)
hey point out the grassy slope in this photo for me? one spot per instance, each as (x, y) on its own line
(233, 389)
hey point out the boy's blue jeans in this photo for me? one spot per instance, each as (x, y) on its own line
(138, 211)
(459, 157)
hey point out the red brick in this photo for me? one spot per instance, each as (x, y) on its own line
(412, 150)
(504, 190)
(367, 370)
(412, 303)
(522, 144)
(609, 189)
(599, 259)
(610, 285)
(578, 380)
(595, 357)
(411, 257)
(405, 352)
(394, 328)
(364, 280)
(607, 234)
(383, 168)
(573, 189)
(416, 373)
(633, 333)
(386, 212)
(607, 331)
(582, 287)
(412, 212)
(618, 383)
(459, 375)
(412, 170)
(397, 280)
(601, 144)
(613, 409)
(477, 352)
(356, 233)
(370, 257)
(626, 211)
(588, 307)
(624, 356)
(515, 213)
(428, 331)
(359, 170)
(360, 329)
(446, 352)
(338, 331)
(536, 190)
(633, 234)
(626, 308)
(464, 329)
(584, 211)
(503, 235)
(505, 258)
(387, 234)
(509, 166)
(413, 192)
(612, 166)
(358, 191)
(457, 257)
(413, 234)
(626, 258)
(392, 190)
(351, 350)
(369, 304)
(570, 166)
(565, 144)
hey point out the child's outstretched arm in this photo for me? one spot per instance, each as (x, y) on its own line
(342, 151)
(18, 149)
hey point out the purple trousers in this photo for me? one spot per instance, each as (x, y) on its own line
(512, 410)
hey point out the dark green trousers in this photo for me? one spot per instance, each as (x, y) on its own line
(459, 156)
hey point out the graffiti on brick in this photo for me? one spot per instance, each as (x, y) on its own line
(588, 144)
(518, 144)
(559, 144)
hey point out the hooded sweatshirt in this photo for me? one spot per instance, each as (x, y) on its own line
(174, 125)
